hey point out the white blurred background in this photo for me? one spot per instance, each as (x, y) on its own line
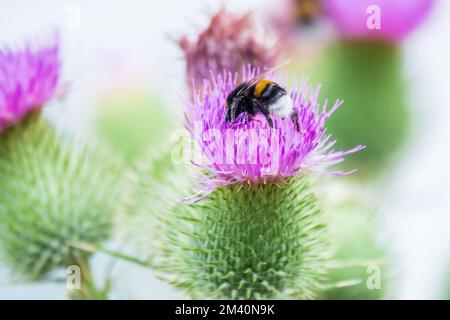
(131, 41)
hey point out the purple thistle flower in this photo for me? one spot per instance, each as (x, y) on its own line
(28, 79)
(248, 151)
(229, 42)
(397, 17)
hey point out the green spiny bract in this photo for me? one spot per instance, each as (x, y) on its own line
(53, 193)
(260, 242)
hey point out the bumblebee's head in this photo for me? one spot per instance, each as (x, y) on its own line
(239, 90)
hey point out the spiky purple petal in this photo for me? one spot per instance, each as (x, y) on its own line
(28, 79)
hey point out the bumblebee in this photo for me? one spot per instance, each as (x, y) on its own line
(260, 96)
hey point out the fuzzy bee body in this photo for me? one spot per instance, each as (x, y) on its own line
(260, 96)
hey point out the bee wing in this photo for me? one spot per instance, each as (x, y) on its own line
(260, 76)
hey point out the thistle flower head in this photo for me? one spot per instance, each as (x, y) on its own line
(53, 192)
(229, 42)
(396, 18)
(248, 151)
(28, 79)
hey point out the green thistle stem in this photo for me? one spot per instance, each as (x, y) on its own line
(88, 288)
(90, 248)
(248, 243)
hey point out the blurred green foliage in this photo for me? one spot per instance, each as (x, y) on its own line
(368, 77)
(134, 121)
(354, 233)
(446, 295)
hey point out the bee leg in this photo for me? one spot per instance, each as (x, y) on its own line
(231, 113)
(264, 111)
(268, 119)
(228, 115)
(294, 118)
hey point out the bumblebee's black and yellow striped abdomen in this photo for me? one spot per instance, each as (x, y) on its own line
(261, 86)
(268, 92)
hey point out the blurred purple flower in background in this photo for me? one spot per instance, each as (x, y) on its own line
(248, 151)
(28, 79)
(397, 17)
(229, 42)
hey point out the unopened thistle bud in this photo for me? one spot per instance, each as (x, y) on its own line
(229, 42)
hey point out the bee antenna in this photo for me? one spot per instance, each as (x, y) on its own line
(282, 64)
